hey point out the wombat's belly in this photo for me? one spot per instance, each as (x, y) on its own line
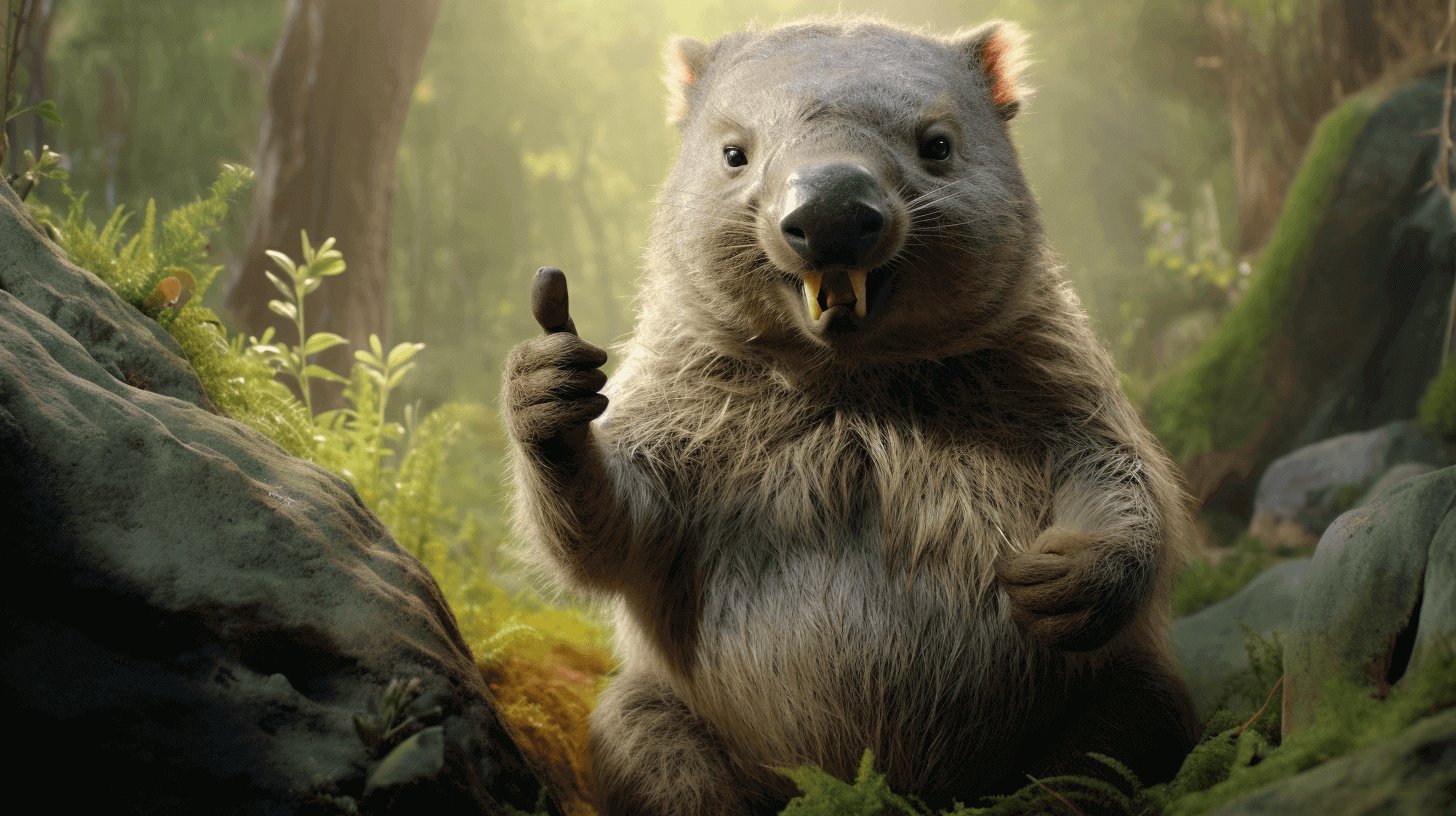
(815, 656)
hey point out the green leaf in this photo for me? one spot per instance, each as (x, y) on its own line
(47, 111)
(323, 340)
(311, 284)
(375, 375)
(328, 418)
(278, 282)
(287, 310)
(402, 352)
(283, 261)
(398, 374)
(369, 360)
(376, 347)
(323, 374)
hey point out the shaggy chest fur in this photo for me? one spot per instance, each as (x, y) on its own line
(839, 559)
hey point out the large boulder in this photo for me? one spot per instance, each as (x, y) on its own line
(1380, 598)
(1341, 330)
(1303, 492)
(198, 617)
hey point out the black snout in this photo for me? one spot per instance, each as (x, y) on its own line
(833, 214)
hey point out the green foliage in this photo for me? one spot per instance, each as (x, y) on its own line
(1219, 398)
(36, 170)
(45, 109)
(1438, 405)
(156, 93)
(396, 468)
(1188, 242)
(1204, 583)
(1190, 279)
(829, 795)
(303, 280)
(386, 724)
(242, 386)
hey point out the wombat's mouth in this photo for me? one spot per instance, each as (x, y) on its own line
(838, 291)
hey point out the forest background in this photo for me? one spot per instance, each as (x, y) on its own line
(1160, 141)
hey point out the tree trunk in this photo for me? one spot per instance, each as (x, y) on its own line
(339, 86)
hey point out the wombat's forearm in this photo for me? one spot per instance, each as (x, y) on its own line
(569, 508)
(1095, 568)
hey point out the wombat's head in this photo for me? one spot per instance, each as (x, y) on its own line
(846, 192)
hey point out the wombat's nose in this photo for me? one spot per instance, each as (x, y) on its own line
(833, 213)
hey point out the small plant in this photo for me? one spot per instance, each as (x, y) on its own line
(387, 725)
(303, 280)
(47, 166)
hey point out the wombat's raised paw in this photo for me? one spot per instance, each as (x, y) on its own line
(552, 382)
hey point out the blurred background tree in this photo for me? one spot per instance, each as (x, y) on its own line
(339, 84)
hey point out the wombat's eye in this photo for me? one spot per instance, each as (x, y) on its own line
(734, 156)
(935, 149)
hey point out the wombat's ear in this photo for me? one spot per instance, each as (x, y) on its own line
(998, 50)
(686, 58)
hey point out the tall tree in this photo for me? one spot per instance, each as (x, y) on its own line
(339, 85)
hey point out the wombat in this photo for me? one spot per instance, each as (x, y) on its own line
(865, 477)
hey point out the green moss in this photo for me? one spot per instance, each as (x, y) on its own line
(242, 386)
(1204, 583)
(1218, 399)
(1348, 720)
(1438, 406)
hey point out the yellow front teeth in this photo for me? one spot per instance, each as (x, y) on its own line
(812, 282)
(811, 293)
(857, 280)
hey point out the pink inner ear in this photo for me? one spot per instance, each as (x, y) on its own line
(679, 71)
(998, 65)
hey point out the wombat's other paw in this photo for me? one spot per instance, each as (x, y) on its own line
(551, 382)
(1057, 595)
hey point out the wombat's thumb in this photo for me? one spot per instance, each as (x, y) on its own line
(548, 301)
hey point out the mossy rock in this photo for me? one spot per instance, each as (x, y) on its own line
(206, 612)
(1341, 328)
(1380, 598)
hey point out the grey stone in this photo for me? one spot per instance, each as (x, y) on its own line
(1380, 597)
(1303, 492)
(194, 615)
(1209, 644)
(1411, 774)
